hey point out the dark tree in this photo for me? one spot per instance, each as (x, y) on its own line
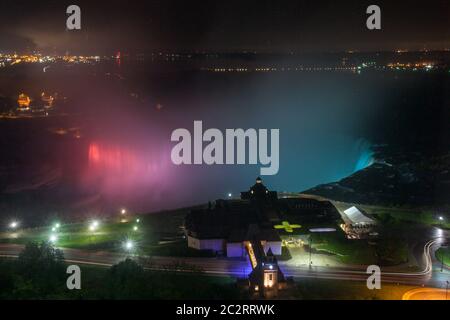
(126, 280)
(41, 271)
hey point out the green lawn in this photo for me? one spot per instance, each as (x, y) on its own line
(347, 251)
(77, 235)
(157, 234)
(361, 252)
(443, 254)
(394, 214)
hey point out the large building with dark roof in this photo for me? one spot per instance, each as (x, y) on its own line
(227, 226)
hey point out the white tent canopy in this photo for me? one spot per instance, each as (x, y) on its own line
(353, 216)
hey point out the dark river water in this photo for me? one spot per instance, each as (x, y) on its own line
(111, 148)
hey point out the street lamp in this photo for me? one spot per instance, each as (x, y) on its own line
(53, 238)
(441, 218)
(93, 226)
(123, 211)
(446, 290)
(129, 245)
(13, 225)
(135, 228)
(229, 195)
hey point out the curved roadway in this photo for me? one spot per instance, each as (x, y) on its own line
(430, 275)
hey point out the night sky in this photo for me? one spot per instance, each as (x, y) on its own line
(264, 26)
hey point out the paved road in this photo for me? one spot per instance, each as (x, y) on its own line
(429, 276)
(426, 294)
(105, 258)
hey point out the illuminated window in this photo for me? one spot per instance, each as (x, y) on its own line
(268, 279)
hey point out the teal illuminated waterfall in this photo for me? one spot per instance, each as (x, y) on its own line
(365, 154)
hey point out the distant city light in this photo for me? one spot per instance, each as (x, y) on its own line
(13, 224)
(229, 195)
(53, 238)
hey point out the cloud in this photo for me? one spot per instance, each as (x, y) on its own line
(14, 42)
